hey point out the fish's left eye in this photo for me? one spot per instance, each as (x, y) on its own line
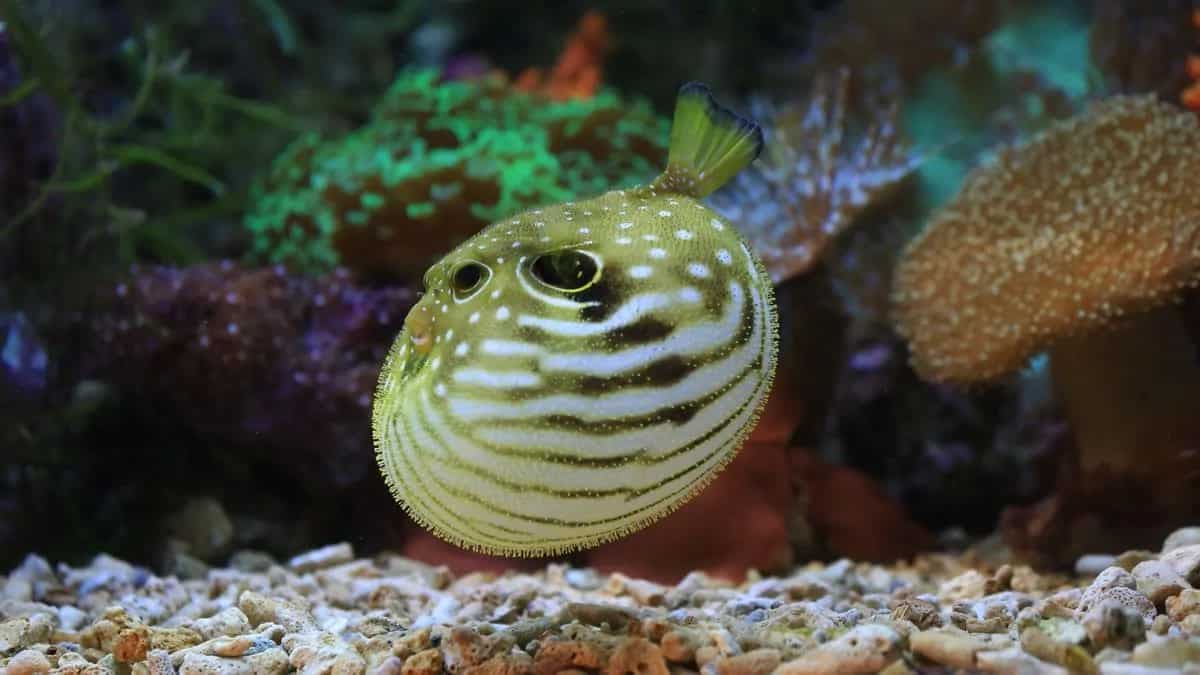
(468, 278)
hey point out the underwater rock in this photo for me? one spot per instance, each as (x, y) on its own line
(256, 357)
(23, 360)
(854, 516)
(389, 615)
(203, 527)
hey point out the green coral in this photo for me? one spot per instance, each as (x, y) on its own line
(438, 160)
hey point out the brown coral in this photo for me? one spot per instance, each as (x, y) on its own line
(1077, 242)
(1092, 221)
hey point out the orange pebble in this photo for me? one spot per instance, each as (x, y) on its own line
(1193, 66)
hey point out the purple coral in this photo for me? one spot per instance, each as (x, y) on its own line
(253, 357)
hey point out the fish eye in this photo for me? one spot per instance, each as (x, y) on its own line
(468, 278)
(568, 270)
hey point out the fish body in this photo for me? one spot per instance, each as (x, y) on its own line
(576, 372)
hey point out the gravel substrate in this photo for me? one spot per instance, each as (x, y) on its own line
(326, 612)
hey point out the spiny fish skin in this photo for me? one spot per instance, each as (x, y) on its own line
(575, 373)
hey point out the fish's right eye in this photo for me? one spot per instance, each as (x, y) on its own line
(468, 278)
(568, 270)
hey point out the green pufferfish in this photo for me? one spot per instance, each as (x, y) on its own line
(578, 371)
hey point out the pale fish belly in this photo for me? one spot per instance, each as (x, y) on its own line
(512, 456)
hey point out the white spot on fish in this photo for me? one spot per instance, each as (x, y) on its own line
(724, 257)
(624, 226)
(640, 271)
(462, 349)
(650, 237)
(584, 230)
(495, 294)
(658, 253)
(716, 224)
(689, 294)
(683, 234)
(440, 389)
(664, 213)
(502, 313)
(474, 318)
(698, 270)
(624, 240)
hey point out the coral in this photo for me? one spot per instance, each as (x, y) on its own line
(815, 177)
(439, 160)
(822, 169)
(1190, 96)
(1078, 243)
(944, 443)
(252, 356)
(579, 69)
(1003, 255)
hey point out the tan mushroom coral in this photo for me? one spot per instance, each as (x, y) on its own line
(1079, 243)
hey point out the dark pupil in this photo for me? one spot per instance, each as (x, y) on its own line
(566, 270)
(467, 277)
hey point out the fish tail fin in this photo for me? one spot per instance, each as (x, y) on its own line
(709, 144)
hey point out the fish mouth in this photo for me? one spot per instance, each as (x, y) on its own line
(419, 328)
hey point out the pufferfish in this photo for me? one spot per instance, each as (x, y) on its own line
(576, 372)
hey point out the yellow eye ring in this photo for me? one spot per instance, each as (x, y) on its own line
(468, 278)
(568, 270)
